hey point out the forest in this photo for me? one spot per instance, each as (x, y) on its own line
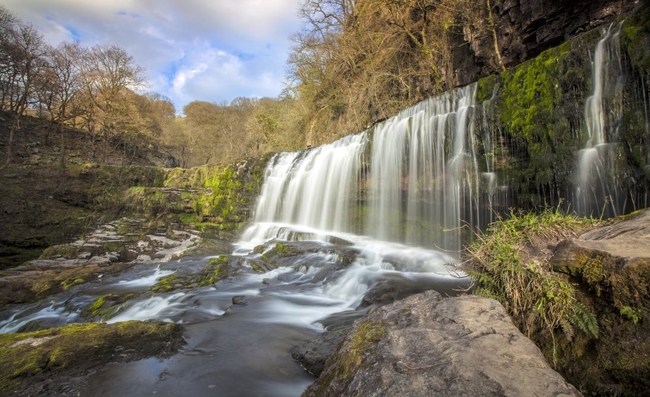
(353, 63)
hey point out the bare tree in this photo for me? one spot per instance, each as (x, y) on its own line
(62, 83)
(22, 58)
(110, 75)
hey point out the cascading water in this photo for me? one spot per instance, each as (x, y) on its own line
(413, 178)
(314, 189)
(598, 187)
(423, 173)
(326, 246)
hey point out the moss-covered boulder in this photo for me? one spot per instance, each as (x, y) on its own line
(32, 363)
(611, 266)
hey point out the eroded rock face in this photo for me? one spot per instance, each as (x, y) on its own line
(425, 345)
(613, 260)
(523, 29)
(611, 266)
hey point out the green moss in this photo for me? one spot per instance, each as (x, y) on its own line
(282, 249)
(636, 39)
(67, 251)
(631, 313)
(530, 94)
(217, 269)
(165, 284)
(369, 333)
(538, 113)
(78, 347)
(69, 283)
(485, 88)
(96, 306)
(107, 306)
(592, 270)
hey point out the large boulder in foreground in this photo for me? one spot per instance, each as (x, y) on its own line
(611, 267)
(425, 345)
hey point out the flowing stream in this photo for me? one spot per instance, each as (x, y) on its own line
(336, 227)
(243, 349)
(343, 254)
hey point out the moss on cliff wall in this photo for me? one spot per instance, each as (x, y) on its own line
(535, 113)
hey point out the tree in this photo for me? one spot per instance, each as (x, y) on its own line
(159, 124)
(157, 111)
(326, 17)
(177, 141)
(22, 58)
(61, 83)
(355, 63)
(109, 77)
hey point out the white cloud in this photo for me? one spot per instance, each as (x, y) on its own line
(191, 49)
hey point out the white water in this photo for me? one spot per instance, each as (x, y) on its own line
(313, 188)
(597, 189)
(412, 179)
(51, 311)
(146, 281)
(424, 172)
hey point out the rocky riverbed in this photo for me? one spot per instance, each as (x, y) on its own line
(108, 250)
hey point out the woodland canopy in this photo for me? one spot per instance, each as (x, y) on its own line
(353, 63)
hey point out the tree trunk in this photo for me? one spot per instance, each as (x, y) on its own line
(106, 146)
(62, 131)
(10, 142)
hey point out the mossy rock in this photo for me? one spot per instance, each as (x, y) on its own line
(66, 251)
(107, 306)
(611, 267)
(636, 39)
(166, 284)
(74, 350)
(349, 358)
(217, 269)
(30, 285)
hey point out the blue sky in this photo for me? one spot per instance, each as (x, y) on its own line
(209, 50)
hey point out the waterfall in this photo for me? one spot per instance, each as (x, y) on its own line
(597, 188)
(412, 178)
(435, 172)
(423, 172)
(315, 189)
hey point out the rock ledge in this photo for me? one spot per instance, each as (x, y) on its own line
(427, 345)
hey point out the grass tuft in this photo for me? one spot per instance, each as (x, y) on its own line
(510, 264)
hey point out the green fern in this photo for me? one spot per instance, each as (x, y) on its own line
(584, 319)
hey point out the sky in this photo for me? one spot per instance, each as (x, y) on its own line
(207, 50)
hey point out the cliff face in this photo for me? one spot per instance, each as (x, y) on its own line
(522, 29)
